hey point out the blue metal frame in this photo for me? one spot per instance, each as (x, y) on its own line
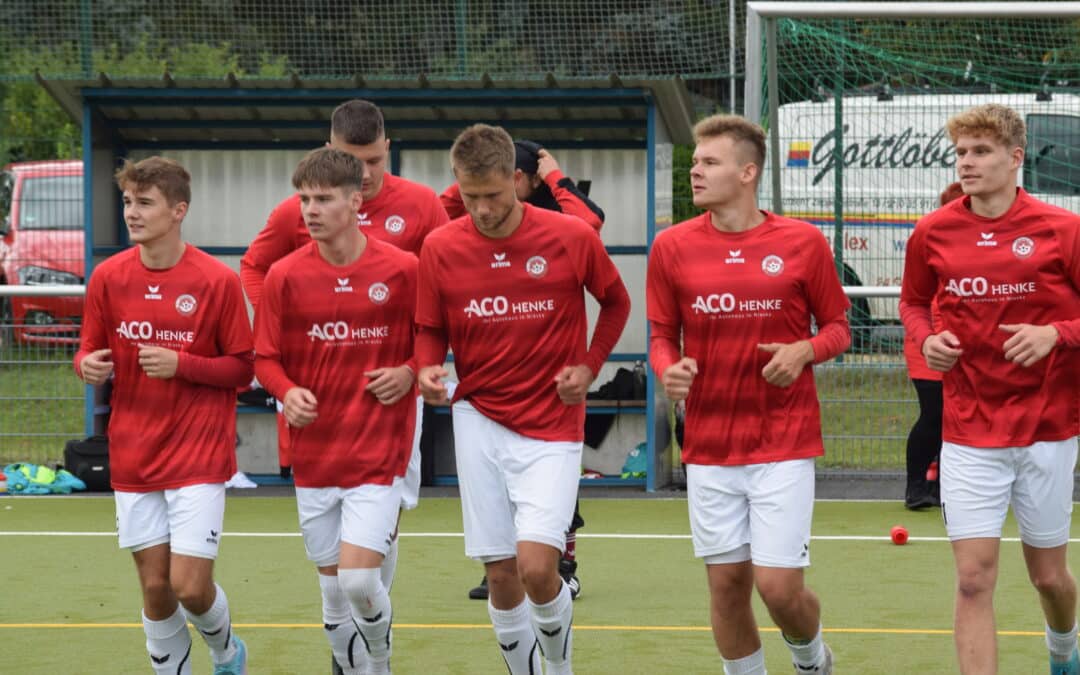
(96, 102)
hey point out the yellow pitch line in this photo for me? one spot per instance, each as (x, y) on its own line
(473, 626)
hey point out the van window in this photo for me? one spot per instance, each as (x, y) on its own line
(1052, 160)
(7, 184)
(51, 203)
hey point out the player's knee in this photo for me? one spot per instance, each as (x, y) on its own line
(779, 594)
(974, 581)
(1052, 582)
(361, 586)
(536, 573)
(157, 588)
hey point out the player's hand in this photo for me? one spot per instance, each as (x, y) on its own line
(678, 378)
(96, 367)
(788, 361)
(1029, 344)
(299, 407)
(545, 164)
(389, 385)
(158, 362)
(431, 385)
(941, 351)
(572, 383)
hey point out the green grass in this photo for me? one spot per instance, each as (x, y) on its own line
(886, 609)
(41, 403)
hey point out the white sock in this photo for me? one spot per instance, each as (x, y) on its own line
(372, 614)
(517, 641)
(339, 628)
(807, 656)
(552, 622)
(1061, 645)
(169, 644)
(747, 665)
(215, 628)
(389, 565)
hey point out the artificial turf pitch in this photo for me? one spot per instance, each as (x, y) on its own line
(70, 601)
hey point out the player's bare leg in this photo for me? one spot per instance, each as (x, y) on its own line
(1048, 570)
(733, 625)
(795, 609)
(973, 623)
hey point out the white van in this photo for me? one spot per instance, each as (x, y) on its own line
(897, 160)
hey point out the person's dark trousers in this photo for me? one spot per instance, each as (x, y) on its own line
(924, 446)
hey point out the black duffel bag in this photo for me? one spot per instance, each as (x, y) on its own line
(89, 461)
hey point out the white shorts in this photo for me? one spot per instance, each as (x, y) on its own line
(513, 488)
(189, 519)
(410, 488)
(977, 485)
(364, 516)
(758, 512)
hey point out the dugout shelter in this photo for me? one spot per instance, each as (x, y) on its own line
(241, 139)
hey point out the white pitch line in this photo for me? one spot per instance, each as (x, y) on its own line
(459, 535)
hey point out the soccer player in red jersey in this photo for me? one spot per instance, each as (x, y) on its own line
(540, 183)
(333, 341)
(167, 323)
(731, 296)
(1004, 269)
(503, 287)
(394, 210)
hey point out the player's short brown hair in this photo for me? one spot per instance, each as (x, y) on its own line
(357, 122)
(166, 175)
(991, 119)
(329, 168)
(482, 149)
(749, 137)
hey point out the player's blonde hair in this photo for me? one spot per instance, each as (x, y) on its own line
(749, 137)
(482, 149)
(329, 168)
(166, 175)
(991, 119)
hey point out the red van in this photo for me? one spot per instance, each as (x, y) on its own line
(41, 243)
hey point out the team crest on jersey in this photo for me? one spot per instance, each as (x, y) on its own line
(379, 293)
(186, 304)
(536, 266)
(394, 224)
(772, 265)
(1023, 247)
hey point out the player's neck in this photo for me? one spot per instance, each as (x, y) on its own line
(344, 249)
(736, 217)
(163, 253)
(508, 226)
(994, 204)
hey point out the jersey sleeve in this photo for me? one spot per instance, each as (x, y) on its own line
(429, 310)
(918, 288)
(93, 334)
(275, 241)
(662, 311)
(268, 339)
(233, 366)
(452, 202)
(828, 303)
(573, 201)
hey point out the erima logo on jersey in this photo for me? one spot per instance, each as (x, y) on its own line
(499, 261)
(152, 292)
(727, 303)
(500, 306)
(734, 256)
(362, 219)
(339, 331)
(986, 239)
(978, 287)
(343, 286)
(144, 331)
